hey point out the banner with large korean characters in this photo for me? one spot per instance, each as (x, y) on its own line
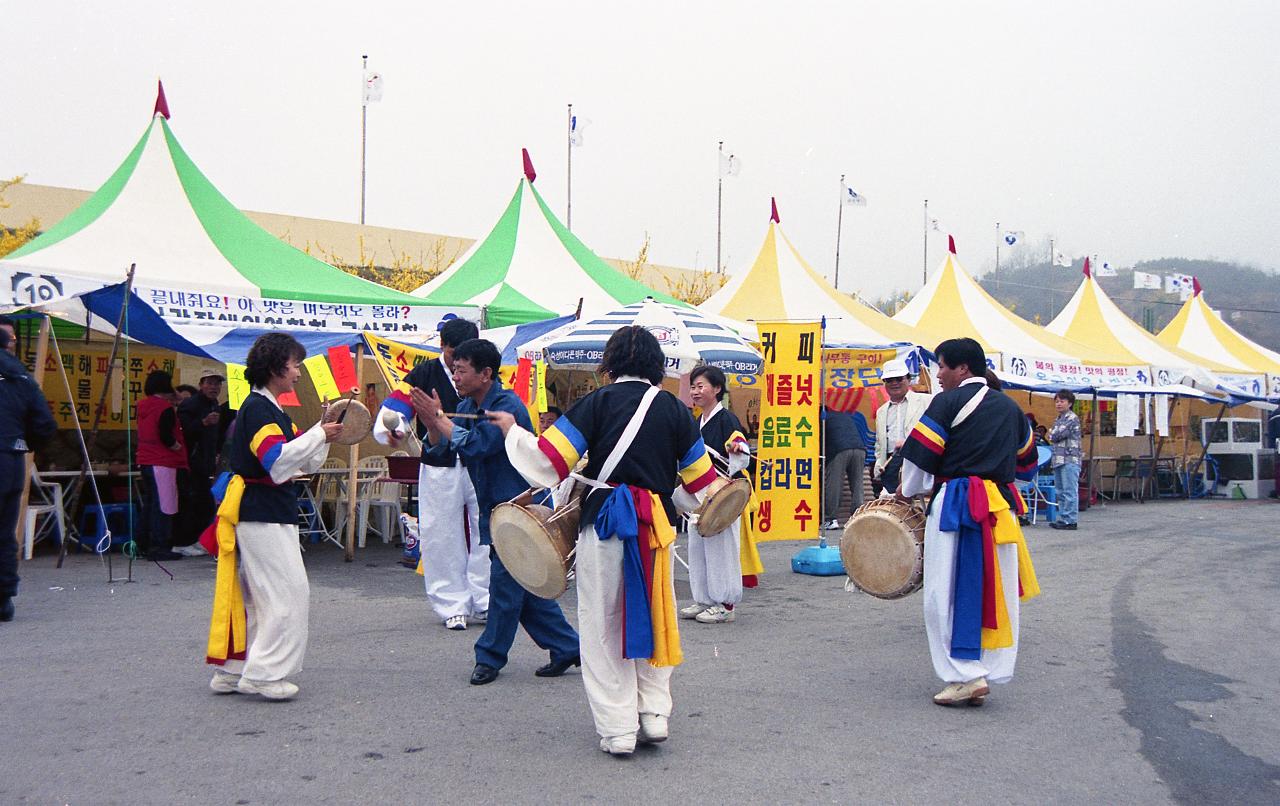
(788, 474)
(86, 365)
(1066, 373)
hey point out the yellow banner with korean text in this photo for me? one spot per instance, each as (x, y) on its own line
(788, 481)
(397, 359)
(86, 369)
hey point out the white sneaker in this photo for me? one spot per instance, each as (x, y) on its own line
(194, 550)
(619, 745)
(455, 623)
(224, 682)
(692, 611)
(832, 525)
(716, 615)
(653, 728)
(481, 616)
(271, 689)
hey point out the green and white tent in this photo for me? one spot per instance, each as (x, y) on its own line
(198, 257)
(530, 267)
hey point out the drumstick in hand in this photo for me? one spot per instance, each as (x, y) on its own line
(355, 390)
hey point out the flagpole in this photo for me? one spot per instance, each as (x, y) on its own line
(997, 256)
(719, 201)
(364, 119)
(926, 244)
(839, 223)
(568, 212)
(1053, 257)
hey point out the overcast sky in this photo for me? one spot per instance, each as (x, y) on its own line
(1127, 130)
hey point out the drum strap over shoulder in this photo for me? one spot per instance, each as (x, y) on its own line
(624, 442)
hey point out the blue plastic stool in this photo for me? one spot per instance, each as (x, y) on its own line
(1050, 492)
(95, 520)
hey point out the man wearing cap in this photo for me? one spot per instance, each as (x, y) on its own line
(894, 421)
(203, 426)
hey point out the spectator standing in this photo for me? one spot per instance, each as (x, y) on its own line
(846, 456)
(203, 424)
(25, 424)
(1064, 436)
(161, 454)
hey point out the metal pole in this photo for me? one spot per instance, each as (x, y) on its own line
(568, 211)
(997, 257)
(926, 243)
(1051, 255)
(364, 118)
(839, 223)
(719, 200)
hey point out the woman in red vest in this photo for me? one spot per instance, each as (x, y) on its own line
(161, 454)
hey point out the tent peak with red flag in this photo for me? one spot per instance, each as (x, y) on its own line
(773, 211)
(162, 105)
(1087, 271)
(1195, 287)
(529, 173)
(951, 244)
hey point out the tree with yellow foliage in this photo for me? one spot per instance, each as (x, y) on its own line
(11, 239)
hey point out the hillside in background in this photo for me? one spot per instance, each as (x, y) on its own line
(1247, 298)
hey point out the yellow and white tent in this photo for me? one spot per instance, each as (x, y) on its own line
(1093, 319)
(781, 285)
(952, 303)
(1200, 330)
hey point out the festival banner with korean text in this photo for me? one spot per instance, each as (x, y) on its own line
(788, 479)
(1051, 372)
(396, 358)
(86, 368)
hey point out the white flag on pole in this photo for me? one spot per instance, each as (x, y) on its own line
(1061, 259)
(854, 198)
(1105, 269)
(729, 165)
(935, 225)
(577, 128)
(1179, 284)
(1142, 279)
(1011, 237)
(372, 88)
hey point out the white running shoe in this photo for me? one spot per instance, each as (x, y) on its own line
(194, 550)
(832, 524)
(619, 745)
(455, 623)
(224, 682)
(653, 728)
(692, 611)
(716, 615)
(271, 689)
(481, 616)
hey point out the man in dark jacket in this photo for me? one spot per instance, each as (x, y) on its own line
(846, 458)
(203, 426)
(483, 451)
(25, 424)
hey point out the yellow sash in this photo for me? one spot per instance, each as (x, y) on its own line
(227, 624)
(1007, 531)
(662, 604)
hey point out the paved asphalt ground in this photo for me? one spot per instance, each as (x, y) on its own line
(1147, 673)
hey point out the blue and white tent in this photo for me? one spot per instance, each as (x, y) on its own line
(687, 337)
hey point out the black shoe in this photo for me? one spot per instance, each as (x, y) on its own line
(558, 667)
(6, 609)
(483, 674)
(1061, 525)
(167, 554)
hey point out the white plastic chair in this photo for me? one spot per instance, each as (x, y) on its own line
(328, 489)
(45, 500)
(382, 497)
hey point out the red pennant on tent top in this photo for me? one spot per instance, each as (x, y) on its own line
(1195, 287)
(162, 106)
(1087, 271)
(951, 244)
(773, 214)
(528, 166)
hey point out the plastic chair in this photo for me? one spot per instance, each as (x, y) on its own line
(382, 497)
(1125, 469)
(45, 500)
(96, 519)
(328, 492)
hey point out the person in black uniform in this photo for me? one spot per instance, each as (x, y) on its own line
(455, 566)
(25, 424)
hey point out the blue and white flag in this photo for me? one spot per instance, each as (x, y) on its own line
(577, 128)
(1012, 237)
(854, 198)
(1105, 269)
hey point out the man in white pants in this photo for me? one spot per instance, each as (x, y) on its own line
(455, 566)
(967, 448)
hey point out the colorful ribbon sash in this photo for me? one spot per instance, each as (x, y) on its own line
(227, 626)
(637, 518)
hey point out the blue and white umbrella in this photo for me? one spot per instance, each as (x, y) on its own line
(687, 337)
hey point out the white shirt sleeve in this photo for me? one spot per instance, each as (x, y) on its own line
(914, 481)
(528, 459)
(304, 454)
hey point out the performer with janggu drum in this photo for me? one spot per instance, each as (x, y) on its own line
(966, 449)
(719, 561)
(638, 440)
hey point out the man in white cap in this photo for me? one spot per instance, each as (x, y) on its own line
(894, 421)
